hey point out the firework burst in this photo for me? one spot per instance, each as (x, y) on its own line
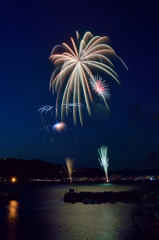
(74, 67)
(101, 88)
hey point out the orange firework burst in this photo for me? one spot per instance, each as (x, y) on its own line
(59, 126)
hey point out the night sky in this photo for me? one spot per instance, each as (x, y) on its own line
(29, 30)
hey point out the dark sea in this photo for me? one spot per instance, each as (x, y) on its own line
(41, 214)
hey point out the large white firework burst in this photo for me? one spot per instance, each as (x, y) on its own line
(74, 67)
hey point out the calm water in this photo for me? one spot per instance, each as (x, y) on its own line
(41, 214)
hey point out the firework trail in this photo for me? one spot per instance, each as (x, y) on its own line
(70, 163)
(104, 160)
(45, 109)
(49, 124)
(74, 67)
(50, 109)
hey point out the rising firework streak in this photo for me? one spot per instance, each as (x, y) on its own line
(104, 160)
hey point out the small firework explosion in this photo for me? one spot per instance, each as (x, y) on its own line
(104, 160)
(100, 87)
(59, 126)
(70, 163)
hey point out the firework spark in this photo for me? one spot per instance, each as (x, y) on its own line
(101, 88)
(74, 67)
(59, 126)
(104, 160)
(70, 163)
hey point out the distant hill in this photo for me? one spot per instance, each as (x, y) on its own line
(27, 169)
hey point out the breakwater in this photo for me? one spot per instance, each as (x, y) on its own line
(102, 197)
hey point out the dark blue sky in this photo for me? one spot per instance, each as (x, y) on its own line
(29, 30)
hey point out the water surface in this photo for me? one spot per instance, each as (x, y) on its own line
(41, 214)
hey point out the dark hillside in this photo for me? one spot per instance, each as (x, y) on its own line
(27, 169)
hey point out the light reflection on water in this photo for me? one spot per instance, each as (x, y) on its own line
(104, 221)
(12, 211)
(12, 219)
(41, 214)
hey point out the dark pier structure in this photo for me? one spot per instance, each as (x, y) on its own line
(102, 197)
